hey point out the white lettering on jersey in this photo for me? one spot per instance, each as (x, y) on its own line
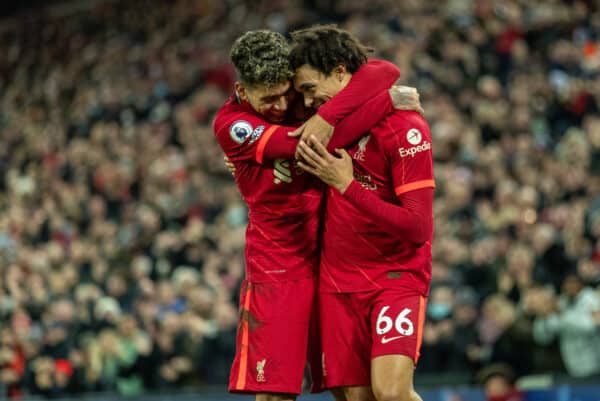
(365, 181)
(425, 146)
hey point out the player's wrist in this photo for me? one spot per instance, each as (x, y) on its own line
(344, 185)
(328, 117)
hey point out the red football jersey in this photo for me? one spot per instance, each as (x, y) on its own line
(283, 201)
(357, 254)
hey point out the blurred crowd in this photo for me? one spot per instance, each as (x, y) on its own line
(122, 234)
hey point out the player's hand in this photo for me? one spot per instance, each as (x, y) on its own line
(406, 98)
(315, 126)
(229, 165)
(334, 171)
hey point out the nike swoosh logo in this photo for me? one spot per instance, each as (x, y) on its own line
(387, 340)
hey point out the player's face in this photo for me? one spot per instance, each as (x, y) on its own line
(270, 101)
(316, 87)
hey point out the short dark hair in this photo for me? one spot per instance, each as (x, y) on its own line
(324, 47)
(261, 57)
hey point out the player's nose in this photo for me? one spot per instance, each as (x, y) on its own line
(281, 103)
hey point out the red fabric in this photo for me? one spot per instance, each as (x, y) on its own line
(283, 201)
(361, 245)
(346, 132)
(405, 309)
(273, 337)
(351, 128)
(364, 101)
(411, 219)
(353, 111)
(367, 81)
(350, 338)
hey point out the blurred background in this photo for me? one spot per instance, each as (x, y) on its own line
(122, 234)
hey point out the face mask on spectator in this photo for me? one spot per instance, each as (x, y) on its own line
(438, 311)
(236, 216)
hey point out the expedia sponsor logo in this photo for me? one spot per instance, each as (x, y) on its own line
(414, 136)
(424, 147)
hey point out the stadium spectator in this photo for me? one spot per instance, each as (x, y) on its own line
(498, 382)
(573, 318)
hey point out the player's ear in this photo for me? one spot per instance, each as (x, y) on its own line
(339, 71)
(240, 92)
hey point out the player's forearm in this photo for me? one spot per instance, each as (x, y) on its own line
(351, 128)
(276, 145)
(346, 132)
(280, 148)
(412, 221)
(367, 82)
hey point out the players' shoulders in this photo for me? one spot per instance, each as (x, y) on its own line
(402, 126)
(234, 122)
(229, 112)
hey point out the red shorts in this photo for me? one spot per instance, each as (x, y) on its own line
(273, 336)
(357, 327)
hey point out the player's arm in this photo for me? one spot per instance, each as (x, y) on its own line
(244, 136)
(368, 81)
(371, 78)
(353, 127)
(411, 219)
(278, 144)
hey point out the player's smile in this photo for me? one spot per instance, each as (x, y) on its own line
(316, 87)
(271, 101)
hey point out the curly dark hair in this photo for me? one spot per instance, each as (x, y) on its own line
(261, 58)
(324, 47)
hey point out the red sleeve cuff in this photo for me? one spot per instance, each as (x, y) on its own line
(353, 191)
(329, 117)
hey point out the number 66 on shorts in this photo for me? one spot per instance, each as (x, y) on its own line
(397, 325)
(357, 327)
(403, 324)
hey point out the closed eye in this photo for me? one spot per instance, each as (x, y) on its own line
(307, 88)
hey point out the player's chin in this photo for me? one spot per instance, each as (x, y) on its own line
(319, 102)
(276, 118)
